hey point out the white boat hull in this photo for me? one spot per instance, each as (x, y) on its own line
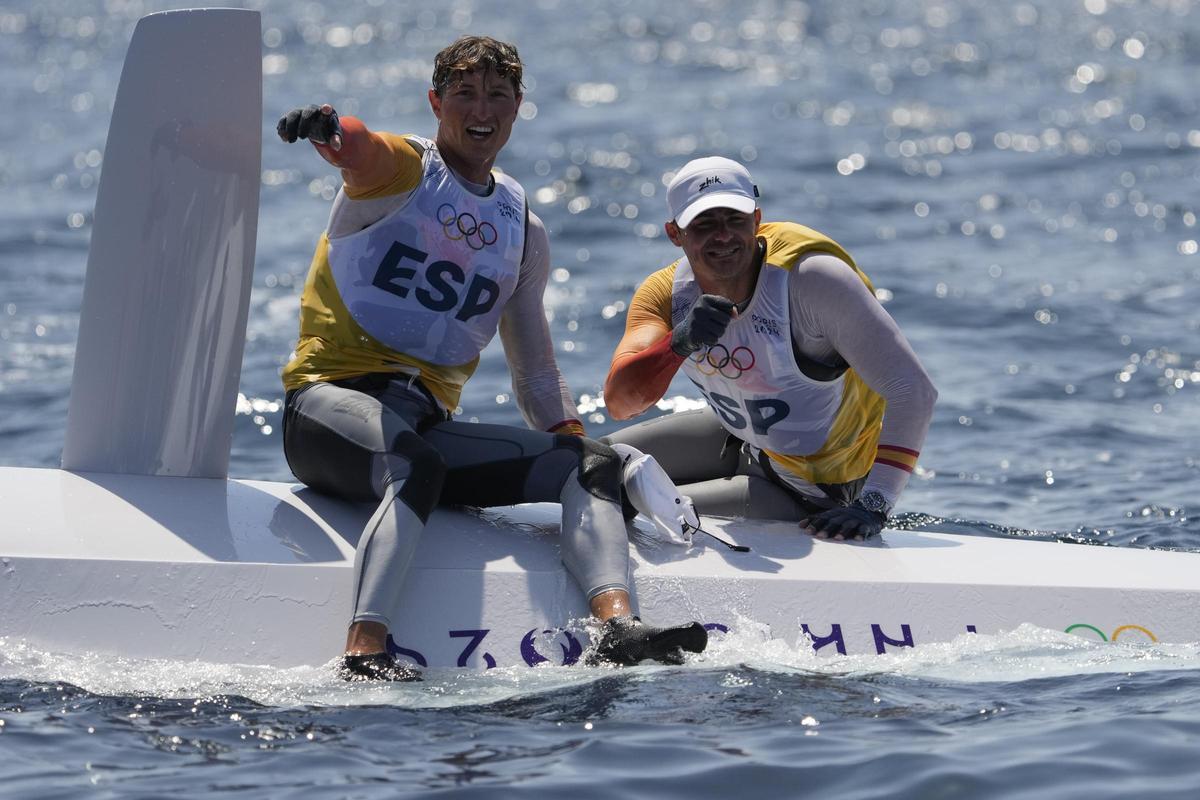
(174, 561)
(260, 573)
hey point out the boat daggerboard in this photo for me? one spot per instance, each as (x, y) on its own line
(162, 326)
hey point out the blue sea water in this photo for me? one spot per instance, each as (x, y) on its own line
(1019, 177)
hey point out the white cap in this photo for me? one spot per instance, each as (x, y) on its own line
(712, 182)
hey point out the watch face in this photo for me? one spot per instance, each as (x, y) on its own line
(874, 501)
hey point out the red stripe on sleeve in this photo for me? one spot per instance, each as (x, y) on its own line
(913, 453)
(638, 380)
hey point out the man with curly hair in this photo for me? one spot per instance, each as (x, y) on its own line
(428, 253)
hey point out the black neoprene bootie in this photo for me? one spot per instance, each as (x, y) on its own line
(375, 667)
(627, 641)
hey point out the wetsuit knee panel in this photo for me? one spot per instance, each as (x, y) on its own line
(599, 468)
(424, 476)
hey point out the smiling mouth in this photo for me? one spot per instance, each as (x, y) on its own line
(480, 132)
(724, 252)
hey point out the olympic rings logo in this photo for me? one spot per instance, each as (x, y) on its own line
(465, 227)
(717, 359)
(1115, 634)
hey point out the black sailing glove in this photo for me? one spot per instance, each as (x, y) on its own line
(310, 122)
(845, 522)
(704, 324)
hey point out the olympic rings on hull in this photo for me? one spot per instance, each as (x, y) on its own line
(729, 365)
(464, 226)
(1115, 634)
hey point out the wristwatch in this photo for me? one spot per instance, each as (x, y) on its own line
(874, 501)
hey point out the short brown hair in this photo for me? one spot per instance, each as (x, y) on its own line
(469, 53)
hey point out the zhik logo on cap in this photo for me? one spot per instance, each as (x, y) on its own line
(706, 183)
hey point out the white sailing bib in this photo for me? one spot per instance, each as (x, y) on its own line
(750, 377)
(431, 279)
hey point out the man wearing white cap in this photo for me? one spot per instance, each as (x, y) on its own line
(801, 366)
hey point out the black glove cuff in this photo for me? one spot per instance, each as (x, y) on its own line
(681, 344)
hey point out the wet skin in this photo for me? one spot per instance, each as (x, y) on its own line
(475, 113)
(721, 244)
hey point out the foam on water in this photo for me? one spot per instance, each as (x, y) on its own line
(978, 717)
(1027, 653)
(272, 686)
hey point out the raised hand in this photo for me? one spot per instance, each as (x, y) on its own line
(316, 123)
(704, 324)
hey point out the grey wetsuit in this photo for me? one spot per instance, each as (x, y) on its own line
(381, 439)
(723, 476)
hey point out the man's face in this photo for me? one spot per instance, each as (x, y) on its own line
(475, 113)
(720, 241)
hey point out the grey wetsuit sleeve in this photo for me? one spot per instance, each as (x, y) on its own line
(540, 389)
(833, 312)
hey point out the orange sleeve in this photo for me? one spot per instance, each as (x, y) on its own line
(644, 363)
(651, 303)
(373, 164)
